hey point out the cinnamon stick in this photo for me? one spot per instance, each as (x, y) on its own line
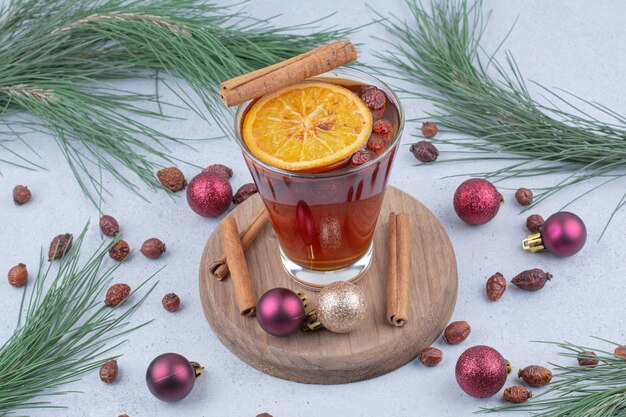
(244, 291)
(398, 269)
(219, 267)
(291, 71)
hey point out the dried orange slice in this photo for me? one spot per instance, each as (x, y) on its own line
(307, 126)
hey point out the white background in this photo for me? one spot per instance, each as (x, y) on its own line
(573, 45)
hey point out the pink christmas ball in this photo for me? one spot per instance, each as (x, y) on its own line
(476, 201)
(481, 371)
(563, 234)
(280, 312)
(170, 377)
(209, 194)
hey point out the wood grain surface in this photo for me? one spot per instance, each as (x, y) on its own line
(323, 357)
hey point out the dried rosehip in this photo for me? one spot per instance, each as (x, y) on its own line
(123, 415)
(376, 144)
(429, 129)
(59, 246)
(119, 251)
(18, 275)
(219, 169)
(516, 394)
(524, 196)
(375, 100)
(172, 178)
(171, 302)
(153, 248)
(109, 226)
(431, 356)
(535, 375)
(244, 192)
(21, 195)
(534, 223)
(383, 128)
(424, 151)
(496, 285)
(620, 351)
(264, 415)
(456, 332)
(109, 371)
(360, 157)
(588, 359)
(532, 279)
(116, 294)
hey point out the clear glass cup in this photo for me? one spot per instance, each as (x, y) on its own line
(325, 221)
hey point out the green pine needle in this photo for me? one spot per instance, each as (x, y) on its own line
(58, 59)
(438, 48)
(66, 330)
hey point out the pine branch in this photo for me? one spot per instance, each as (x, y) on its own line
(66, 331)
(58, 59)
(439, 50)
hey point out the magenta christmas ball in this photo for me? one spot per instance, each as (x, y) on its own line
(280, 312)
(563, 234)
(171, 377)
(209, 194)
(476, 201)
(481, 371)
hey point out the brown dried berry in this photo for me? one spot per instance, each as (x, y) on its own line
(535, 375)
(116, 294)
(516, 394)
(109, 371)
(496, 285)
(21, 195)
(244, 192)
(456, 332)
(534, 223)
(429, 129)
(375, 100)
(123, 415)
(172, 178)
(360, 157)
(219, 169)
(171, 302)
(524, 196)
(376, 144)
(18, 275)
(620, 351)
(431, 356)
(588, 359)
(59, 246)
(532, 279)
(119, 251)
(424, 151)
(153, 248)
(383, 128)
(109, 226)
(264, 415)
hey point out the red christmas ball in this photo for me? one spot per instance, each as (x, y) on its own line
(477, 201)
(563, 234)
(280, 312)
(209, 194)
(171, 377)
(481, 371)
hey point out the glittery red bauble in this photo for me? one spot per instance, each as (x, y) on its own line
(477, 201)
(171, 377)
(563, 234)
(481, 371)
(209, 194)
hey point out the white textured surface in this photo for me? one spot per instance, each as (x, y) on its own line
(569, 44)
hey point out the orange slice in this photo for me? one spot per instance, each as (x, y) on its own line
(306, 126)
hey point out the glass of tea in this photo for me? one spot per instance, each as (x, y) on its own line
(320, 153)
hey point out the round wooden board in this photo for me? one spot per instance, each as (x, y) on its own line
(323, 357)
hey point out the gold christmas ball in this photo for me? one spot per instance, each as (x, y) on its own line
(341, 307)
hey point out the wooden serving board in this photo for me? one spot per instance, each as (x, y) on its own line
(323, 357)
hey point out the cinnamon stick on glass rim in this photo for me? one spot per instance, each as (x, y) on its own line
(291, 71)
(219, 267)
(398, 268)
(244, 290)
